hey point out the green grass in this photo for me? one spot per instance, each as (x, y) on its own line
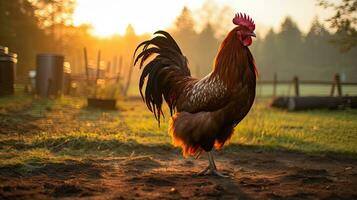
(14, 103)
(43, 131)
(308, 131)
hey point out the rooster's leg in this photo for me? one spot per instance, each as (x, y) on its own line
(211, 168)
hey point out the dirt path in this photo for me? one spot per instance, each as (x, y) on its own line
(253, 175)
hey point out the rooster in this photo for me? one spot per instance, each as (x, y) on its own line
(203, 112)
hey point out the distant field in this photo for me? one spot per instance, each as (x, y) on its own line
(35, 130)
(305, 90)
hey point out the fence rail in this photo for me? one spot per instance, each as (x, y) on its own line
(310, 82)
(336, 84)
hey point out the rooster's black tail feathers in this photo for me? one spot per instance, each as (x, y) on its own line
(165, 73)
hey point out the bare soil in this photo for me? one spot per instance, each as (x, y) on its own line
(252, 175)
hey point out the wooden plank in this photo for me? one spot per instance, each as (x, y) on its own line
(313, 102)
(280, 102)
(348, 83)
(310, 82)
(272, 82)
(350, 101)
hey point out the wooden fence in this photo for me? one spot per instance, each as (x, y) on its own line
(336, 84)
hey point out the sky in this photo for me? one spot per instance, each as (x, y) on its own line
(113, 16)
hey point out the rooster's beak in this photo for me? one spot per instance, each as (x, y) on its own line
(253, 34)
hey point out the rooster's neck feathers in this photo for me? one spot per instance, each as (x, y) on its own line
(232, 61)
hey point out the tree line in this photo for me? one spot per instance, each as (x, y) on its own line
(287, 52)
(29, 27)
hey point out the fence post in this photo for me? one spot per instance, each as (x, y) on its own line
(275, 81)
(333, 88)
(128, 80)
(114, 66)
(86, 63)
(97, 76)
(109, 66)
(119, 69)
(338, 84)
(296, 86)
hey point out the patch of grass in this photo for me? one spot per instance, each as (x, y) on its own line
(68, 130)
(14, 103)
(30, 159)
(307, 131)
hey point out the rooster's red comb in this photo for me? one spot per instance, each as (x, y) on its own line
(244, 20)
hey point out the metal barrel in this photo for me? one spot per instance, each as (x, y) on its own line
(8, 63)
(67, 78)
(49, 74)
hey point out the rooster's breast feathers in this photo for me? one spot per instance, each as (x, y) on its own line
(207, 94)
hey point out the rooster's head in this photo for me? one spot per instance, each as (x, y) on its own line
(245, 28)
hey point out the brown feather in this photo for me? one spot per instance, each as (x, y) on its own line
(207, 109)
(202, 130)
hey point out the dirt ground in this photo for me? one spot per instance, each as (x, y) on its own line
(252, 175)
(162, 173)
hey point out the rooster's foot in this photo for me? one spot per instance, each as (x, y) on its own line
(211, 171)
(216, 173)
(203, 172)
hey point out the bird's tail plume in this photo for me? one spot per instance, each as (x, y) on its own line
(165, 73)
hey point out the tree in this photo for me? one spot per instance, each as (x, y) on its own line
(186, 36)
(290, 31)
(317, 46)
(218, 16)
(55, 16)
(26, 26)
(206, 49)
(184, 22)
(344, 21)
(54, 12)
(267, 59)
(289, 47)
(19, 32)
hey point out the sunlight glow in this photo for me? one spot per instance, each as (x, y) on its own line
(113, 16)
(110, 17)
